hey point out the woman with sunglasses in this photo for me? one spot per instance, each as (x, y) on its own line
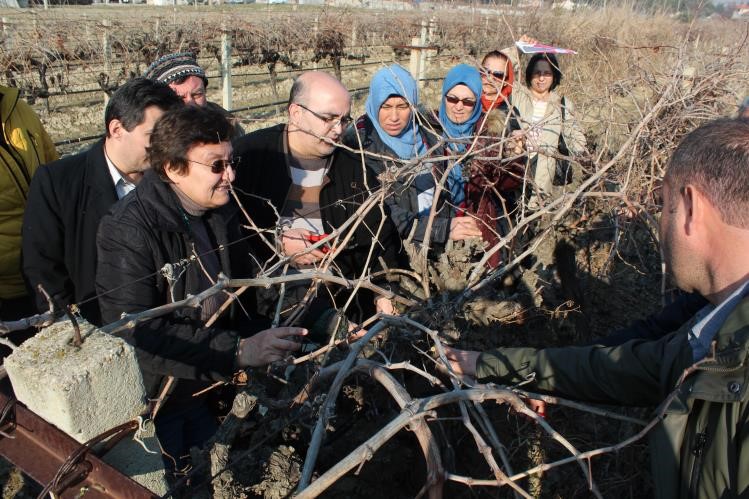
(498, 76)
(548, 120)
(459, 114)
(171, 238)
(390, 132)
(480, 182)
(497, 79)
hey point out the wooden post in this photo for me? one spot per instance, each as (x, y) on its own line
(6, 33)
(106, 49)
(353, 35)
(315, 28)
(413, 65)
(432, 39)
(226, 68)
(422, 55)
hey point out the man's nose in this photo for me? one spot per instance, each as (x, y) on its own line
(337, 128)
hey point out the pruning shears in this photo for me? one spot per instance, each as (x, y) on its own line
(313, 238)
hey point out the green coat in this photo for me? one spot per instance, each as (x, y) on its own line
(28, 147)
(700, 449)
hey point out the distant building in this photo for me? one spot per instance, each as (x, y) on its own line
(741, 11)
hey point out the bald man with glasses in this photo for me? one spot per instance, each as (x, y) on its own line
(293, 179)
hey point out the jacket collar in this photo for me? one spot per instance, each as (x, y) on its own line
(725, 376)
(97, 173)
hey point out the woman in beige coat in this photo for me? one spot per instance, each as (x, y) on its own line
(545, 115)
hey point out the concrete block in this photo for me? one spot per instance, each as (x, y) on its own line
(84, 391)
(144, 466)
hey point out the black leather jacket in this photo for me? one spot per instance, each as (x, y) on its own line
(142, 233)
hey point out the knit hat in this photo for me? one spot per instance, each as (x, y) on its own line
(174, 67)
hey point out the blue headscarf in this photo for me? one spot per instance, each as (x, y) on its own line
(462, 74)
(389, 81)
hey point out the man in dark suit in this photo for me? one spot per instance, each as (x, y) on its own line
(68, 197)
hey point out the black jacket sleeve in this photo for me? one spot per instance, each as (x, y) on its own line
(128, 279)
(43, 242)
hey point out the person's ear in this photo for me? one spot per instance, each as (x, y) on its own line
(115, 129)
(294, 112)
(172, 173)
(696, 207)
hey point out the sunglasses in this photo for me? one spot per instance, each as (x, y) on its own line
(454, 100)
(497, 74)
(219, 165)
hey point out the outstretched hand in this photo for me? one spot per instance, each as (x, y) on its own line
(464, 228)
(462, 362)
(527, 39)
(270, 345)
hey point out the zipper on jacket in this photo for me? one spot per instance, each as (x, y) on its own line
(698, 451)
(721, 369)
(34, 146)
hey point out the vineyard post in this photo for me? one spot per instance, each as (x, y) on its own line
(106, 51)
(315, 27)
(431, 54)
(6, 33)
(413, 65)
(422, 54)
(226, 68)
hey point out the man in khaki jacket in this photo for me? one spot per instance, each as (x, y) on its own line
(701, 447)
(24, 146)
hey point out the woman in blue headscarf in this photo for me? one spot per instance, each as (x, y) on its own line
(460, 111)
(389, 128)
(483, 190)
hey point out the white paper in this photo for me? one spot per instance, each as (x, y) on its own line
(540, 48)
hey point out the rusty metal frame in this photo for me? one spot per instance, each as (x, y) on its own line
(40, 449)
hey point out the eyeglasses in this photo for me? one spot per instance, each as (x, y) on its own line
(331, 121)
(496, 74)
(219, 165)
(454, 100)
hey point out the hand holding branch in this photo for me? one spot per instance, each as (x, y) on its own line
(462, 362)
(270, 345)
(464, 228)
(295, 241)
